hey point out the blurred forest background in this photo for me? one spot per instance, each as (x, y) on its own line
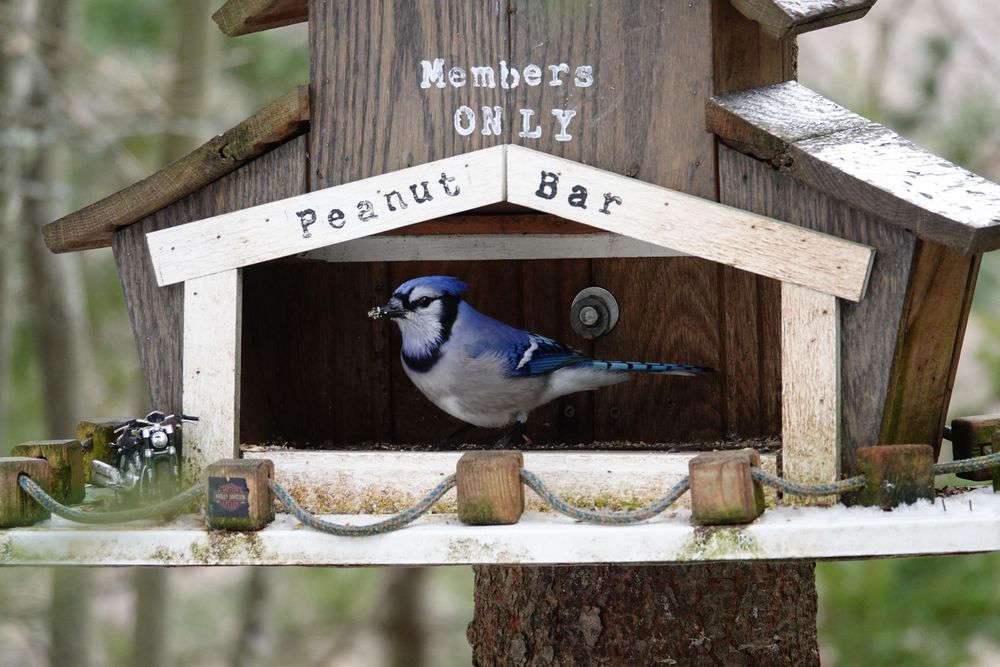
(97, 94)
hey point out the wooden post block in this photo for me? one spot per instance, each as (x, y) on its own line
(490, 491)
(722, 490)
(972, 437)
(66, 459)
(17, 508)
(239, 494)
(96, 436)
(897, 474)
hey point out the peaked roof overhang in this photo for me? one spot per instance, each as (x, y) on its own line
(536, 180)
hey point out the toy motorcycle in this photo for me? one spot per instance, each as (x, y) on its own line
(145, 464)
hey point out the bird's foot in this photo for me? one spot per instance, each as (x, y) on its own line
(513, 437)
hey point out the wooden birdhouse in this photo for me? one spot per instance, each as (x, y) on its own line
(659, 150)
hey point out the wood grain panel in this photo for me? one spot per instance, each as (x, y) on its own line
(157, 312)
(869, 337)
(652, 69)
(932, 327)
(373, 117)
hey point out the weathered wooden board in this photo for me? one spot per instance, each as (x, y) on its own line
(787, 18)
(690, 224)
(868, 345)
(157, 313)
(333, 215)
(933, 327)
(376, 482)
(242, 17)
(810, 388)
(93, 226)
(861, 163)
(213, 328)
(966, 524)
(482, 247)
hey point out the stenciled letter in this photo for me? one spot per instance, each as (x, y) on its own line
(526, 131)
(444, 181)
(432, 73)
(492, 121)
(578, 198)
(366, 211)
(548, 186)
(306, 218)
(564, 116)
(336, 218)
(469, 126)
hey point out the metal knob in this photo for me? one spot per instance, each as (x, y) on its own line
(594, 313)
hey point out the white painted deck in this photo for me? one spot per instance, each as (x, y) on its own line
(965, 523)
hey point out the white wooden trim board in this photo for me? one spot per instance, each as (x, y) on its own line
(786, 533)
(478, 247)
(213, 325)
(615, 203)
(810, 387)
(383, 482)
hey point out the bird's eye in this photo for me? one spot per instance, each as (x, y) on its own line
(424, 301)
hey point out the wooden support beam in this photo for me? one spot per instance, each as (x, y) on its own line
(810, 388)
(691, 225)
(242, 17)
(66, 460)
(481, 247)
(212, 334)
(324, 217)
(786, 18)
(93, 226)
(860, 163)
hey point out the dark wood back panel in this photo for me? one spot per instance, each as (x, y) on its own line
(654, 63)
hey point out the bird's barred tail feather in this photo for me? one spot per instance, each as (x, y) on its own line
(644, 367)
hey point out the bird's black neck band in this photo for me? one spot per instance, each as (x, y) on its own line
(425, 362)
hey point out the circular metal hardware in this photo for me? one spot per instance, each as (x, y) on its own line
(594, 313)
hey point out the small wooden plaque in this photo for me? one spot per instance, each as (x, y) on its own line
(490, 491)
(897, 475)
(17, 508)
(722, 490)
(239, 494)
(66, 459)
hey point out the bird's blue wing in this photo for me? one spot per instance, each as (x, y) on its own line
(537, 355)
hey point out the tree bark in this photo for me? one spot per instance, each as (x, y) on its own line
(704, 614)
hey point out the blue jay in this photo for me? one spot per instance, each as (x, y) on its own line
(485, 372)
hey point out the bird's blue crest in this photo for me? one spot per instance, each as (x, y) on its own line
(443, 284)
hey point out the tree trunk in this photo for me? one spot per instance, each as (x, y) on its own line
(704, 614)
(255, 645)
(15, 80)
(403, 623)
(149, 634)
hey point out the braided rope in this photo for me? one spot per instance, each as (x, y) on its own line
(797, 489)
(619, 518)
(968, 465)
(81, 516)
(346, 530)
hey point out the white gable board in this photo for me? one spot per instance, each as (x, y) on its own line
(522, 176)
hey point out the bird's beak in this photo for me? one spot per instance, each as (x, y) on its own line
(388, 310)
